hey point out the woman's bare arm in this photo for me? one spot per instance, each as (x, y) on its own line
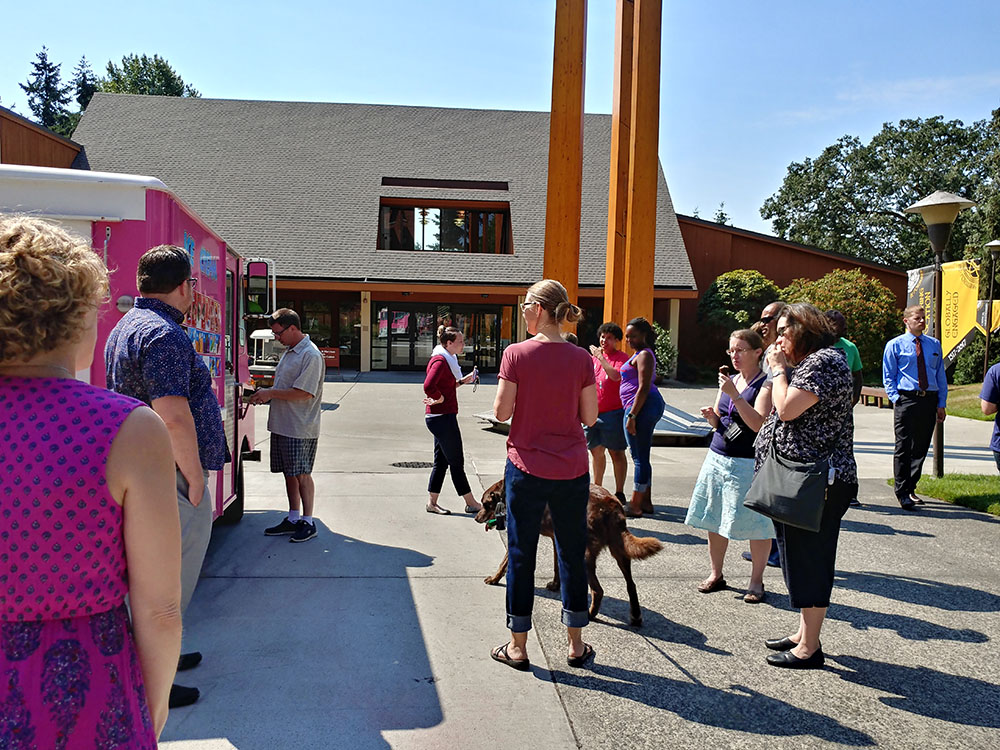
(588, 405)
(140, 472)
(503, 405)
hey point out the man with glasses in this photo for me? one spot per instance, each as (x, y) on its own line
(296, 401)
(914, 379)
(150, 357)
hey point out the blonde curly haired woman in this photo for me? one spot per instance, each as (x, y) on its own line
(89, 484)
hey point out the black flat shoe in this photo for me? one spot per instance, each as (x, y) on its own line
(181, 696)
(788, 660)
(780, 644)
(189, 661)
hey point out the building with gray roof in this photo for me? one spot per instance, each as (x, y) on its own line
(383, 220)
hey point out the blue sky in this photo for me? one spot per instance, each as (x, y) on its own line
(746, 87)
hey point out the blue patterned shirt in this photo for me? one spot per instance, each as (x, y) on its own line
(148, 356)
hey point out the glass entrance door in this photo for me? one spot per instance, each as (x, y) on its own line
(404, 335)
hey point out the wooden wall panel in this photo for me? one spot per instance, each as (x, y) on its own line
(22, 143)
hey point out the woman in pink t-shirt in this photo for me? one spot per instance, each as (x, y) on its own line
(547, 389)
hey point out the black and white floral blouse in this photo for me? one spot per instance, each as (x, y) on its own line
(826, 429)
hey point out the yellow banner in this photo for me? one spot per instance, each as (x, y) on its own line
(960, 292)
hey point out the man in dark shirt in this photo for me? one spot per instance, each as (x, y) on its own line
(149, 356)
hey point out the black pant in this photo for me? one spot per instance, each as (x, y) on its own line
(447, 453)
(914, 418)
(809, 559)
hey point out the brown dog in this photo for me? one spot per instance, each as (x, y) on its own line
(605, 528)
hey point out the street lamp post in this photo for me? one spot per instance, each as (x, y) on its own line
(994, 248)
(939, 211)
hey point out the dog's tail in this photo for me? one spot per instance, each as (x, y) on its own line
(639, 548)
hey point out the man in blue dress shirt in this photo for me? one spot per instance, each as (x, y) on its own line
(915, 382)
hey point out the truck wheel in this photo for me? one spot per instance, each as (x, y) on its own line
(234, 511)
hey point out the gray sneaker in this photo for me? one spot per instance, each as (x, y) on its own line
(285, 527)
(304, 532)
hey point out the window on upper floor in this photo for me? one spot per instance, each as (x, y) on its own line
(445, 226)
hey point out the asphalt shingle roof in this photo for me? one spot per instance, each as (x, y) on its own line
(300, 182)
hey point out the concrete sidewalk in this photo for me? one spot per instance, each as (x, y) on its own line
(377, 633)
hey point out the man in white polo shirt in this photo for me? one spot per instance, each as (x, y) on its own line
(296, 400)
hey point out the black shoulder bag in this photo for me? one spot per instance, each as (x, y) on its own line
(787, 491)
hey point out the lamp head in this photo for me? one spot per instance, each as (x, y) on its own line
(939, 211)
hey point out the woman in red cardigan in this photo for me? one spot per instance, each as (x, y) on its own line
(442, 379)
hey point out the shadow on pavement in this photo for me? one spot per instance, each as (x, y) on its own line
(924, 691)
(910, 628)
(316, 644)
(739, 708)
(865, 527)
(615, 613)
(920, 591)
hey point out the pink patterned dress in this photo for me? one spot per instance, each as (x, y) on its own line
(69, 673)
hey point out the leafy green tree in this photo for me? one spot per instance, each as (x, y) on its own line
(84, 83)
(144, 75)
(868, 306)
(850, 199)
(735, 299)
(721, 217)
(47, 96)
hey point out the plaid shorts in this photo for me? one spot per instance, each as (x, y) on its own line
(292, 456)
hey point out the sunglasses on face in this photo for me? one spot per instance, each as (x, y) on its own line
(765, 319)
(526, 305)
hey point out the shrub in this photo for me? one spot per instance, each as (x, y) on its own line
(867, 304)
(735, 299)
(665, 351)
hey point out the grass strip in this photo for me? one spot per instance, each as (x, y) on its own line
(963, 401)
(976, 491)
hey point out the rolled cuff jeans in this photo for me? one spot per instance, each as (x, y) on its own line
(640, 443)
(527, 497)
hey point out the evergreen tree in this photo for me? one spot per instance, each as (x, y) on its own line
(47, 97)
(84, 83)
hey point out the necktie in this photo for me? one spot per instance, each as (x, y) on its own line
(921, 365)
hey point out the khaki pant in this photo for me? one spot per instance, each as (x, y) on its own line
(196, 532)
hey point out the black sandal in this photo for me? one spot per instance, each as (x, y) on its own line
(500, 654)
(579, 661)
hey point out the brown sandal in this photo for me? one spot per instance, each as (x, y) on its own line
(708, 585)
(754, 596)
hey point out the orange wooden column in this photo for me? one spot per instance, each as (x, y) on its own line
(640, 238)
(565, 184)
(621, 117)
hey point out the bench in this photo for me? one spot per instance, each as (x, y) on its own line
(872, 396)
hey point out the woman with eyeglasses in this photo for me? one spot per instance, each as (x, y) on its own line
(643, 407)
(741, 406)
(813, 419)
(547, 390)
(441, 417)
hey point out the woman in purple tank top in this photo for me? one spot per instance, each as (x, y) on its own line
(643, 409)
(88, 481)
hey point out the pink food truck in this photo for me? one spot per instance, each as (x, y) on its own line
(125, 215)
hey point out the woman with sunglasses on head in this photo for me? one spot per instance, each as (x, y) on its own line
(643, 406)
(813, 420)
(547, 390)
(741, 406)
(440, 383)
